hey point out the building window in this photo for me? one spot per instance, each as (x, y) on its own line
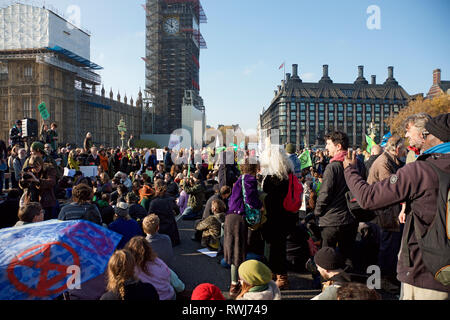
(27, 108)
(321, 107)
(331, 116)
(358, 108)
(359, 117)
(368, 108)
(293, 115)
(368, 117)
(302, 116)
(312, 107)
(28, 72)
(293, 107)
(340, 107)
(350, 108)
(340, 117)
(377, 108)
(330, 107)
(312, 117)
(302, 107)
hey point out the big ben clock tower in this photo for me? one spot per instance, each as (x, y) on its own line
(173, 43)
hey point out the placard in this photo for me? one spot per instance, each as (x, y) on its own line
(159, 154)
(89, 171)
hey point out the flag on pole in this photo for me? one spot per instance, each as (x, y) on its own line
(305, 159)
(281, 66)
(370, 144)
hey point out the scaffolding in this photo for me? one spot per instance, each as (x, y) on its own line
(163, 89)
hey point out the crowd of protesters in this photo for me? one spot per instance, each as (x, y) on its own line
(142, 197)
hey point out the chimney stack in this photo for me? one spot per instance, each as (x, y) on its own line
(325, 70)
(295, 70)
(288, 76)
(391, 72)
(279, 88)
(374, 80)
(360, 71)
(276, 92)
(437, 77)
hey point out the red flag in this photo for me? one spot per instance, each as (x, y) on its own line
(281, 66)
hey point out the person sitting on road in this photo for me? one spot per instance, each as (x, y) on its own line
(81, 208)
(123, 224)
(31, 213)
(195, 188)
(135, 210)
(122, 282)
(150, 268)
(331, 265)
(160, 243)
(256, 282)
(211, 227)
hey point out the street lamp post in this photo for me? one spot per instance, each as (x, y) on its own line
(122, 129)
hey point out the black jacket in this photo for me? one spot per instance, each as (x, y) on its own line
(331, 206)
(166, 208)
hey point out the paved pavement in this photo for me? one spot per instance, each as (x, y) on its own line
(195, 268)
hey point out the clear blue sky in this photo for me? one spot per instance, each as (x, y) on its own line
(249, 39)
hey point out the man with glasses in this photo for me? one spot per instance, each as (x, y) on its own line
(416, 133)
(417, 185)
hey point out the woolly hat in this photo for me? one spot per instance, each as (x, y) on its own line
(207, 291)
(38, 146)
(121, 209)
(290, 148)
(255, 273)
(328, 259)
(440, 127)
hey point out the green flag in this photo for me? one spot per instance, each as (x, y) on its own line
(370, 144)
(305, 159)
(43, 111)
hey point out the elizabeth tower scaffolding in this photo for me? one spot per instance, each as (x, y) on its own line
(173, 43)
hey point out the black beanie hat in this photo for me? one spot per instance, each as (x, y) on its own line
(328, 259)
(440, 127)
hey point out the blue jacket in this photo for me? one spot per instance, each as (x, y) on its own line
(127, 228)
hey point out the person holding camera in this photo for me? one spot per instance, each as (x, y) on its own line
(38, 182)
(195, 188)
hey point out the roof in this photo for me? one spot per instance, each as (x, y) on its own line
(75, 57)
(445, 85)
(296, 88)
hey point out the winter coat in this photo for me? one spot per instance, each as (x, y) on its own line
(278, 219)
(47, 185)
(331, 205)
(236, 201)
(159, 276)
(416, 184)
(383, 168)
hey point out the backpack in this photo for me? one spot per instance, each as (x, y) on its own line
(252, 215)
(435, 242)
(293, 200)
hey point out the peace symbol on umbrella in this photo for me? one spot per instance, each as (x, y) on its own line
(45, 266)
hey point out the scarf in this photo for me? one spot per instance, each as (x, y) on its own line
(416, 151)
(261, 288)
(440, 148)
(340, 156)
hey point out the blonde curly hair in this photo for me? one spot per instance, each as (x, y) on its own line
(274, 162)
